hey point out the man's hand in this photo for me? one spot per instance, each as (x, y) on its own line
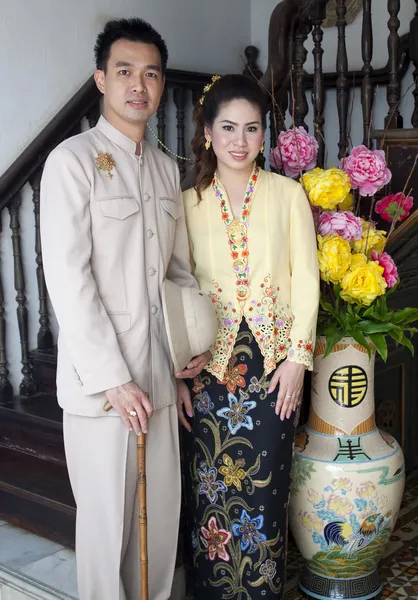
(290, 375)
(195, 366)
(184, 400)
(132, 405)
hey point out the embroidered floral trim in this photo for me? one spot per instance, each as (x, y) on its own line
(237, 233)
(271, 325)
(302, 352)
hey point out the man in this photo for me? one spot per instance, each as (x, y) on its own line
(113, 227)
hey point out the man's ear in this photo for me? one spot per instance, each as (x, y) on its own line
(99, 78)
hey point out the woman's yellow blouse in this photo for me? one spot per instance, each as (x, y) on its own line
(281, 301)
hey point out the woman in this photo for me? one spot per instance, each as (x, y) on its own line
(253, 246)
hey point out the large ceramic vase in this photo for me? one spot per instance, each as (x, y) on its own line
(347, 482)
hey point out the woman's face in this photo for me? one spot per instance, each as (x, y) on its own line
(237, 134)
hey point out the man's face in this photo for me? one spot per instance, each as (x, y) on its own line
(132, 84)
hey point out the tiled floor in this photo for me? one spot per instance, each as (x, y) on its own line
(29, 558)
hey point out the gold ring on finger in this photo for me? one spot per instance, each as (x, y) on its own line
(288, 396)
(132, 413)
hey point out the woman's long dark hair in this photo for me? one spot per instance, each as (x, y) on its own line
(224, 90)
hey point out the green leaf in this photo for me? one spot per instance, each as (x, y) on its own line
(406, 342)
(368, 327)
(403, 316)
(360, 339)
(333, 336)
(379, 340)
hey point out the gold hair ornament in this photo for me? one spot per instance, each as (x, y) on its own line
(207, 87)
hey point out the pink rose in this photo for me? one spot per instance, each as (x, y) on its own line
(296, 151)
(395, 206)
(367, 170)
(343, 223)
(390, 271)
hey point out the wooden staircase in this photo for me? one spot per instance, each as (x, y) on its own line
(35, 491)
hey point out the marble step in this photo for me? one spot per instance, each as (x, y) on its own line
(17, 586)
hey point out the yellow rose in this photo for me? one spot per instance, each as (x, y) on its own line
(334, 257)
(347, 203)
(326, 188)
(373, 239)
(364, 282)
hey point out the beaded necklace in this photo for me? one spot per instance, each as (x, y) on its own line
(237, 233)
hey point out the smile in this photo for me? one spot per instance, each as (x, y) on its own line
(137, 103)
(239, 155)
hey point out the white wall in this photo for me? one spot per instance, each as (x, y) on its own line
(47, 54)
(260, 16)
(47, 51)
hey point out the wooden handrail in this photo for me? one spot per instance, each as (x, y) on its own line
(61, 126)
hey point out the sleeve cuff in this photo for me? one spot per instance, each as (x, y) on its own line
(302, 353)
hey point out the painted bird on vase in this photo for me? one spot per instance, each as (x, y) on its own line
(343, 535)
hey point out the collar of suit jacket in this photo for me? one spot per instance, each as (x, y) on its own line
(117, 137)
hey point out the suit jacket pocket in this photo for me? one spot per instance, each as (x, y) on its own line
(121, 320)
(170, 206)
(118, 207)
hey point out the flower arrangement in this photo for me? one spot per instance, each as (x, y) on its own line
(357, 275)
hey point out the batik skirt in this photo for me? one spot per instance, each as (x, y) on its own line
(236, 468)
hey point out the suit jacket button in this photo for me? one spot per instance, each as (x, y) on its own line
(149, 234)
(151, 272)
(154, 310)
(146, 197)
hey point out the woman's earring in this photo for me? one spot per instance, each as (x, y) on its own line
(262, 148)
(208, 144)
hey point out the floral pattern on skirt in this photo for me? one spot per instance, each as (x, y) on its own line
(236, 469)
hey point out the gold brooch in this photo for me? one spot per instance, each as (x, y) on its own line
(208, 86)
(105, 162)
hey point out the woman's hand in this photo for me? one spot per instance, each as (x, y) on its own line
(184, 403)
(195, 366)
(290, 375)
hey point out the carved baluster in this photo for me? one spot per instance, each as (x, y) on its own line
(367, 70)
(394, 119)
(6, 391)
(251, 66)
(45, 341)
(93, 114)
(301, 107)
(318, 90)
(413, 52)
(180, 98)
(27, 386)
(342, 80)
(161, 119)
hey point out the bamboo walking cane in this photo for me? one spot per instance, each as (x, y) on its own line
(143, 523)
(142, 510)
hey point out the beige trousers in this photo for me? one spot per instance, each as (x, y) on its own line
(102, 463)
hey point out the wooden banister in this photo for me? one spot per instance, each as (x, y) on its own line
(62, 125)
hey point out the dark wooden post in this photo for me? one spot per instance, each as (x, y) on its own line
(342, 80)
(180, 99)
(93, 115)
(45, 341)
(301, 107)
(394, 119)
(27, 386)
(366, 85)
(161, 119)
(6, 391)
(413, 52)
(318, 90)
